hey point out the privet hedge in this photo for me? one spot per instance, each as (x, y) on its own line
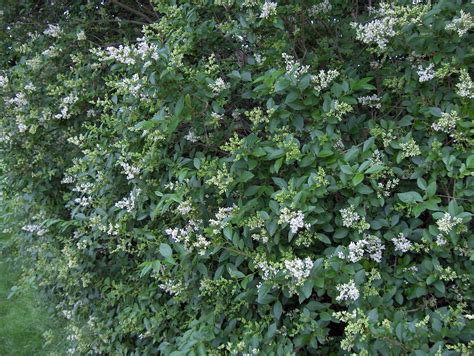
(245, 177)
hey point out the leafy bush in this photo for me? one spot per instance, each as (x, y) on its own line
(247, 177)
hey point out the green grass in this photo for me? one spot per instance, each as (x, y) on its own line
(22, 320)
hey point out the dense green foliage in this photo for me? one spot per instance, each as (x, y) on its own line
(246, 177)
(26, 328)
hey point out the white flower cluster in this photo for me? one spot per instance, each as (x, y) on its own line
(77, 140)
(221, 219)
(171, 287)
(66, 102)
(425, 74)
(378, 31)
(259, 59)
(440, 240)
(191, 137)
(461, 24)
(350, 218)
(81, 36)
(298, 269)
(19, 101)
(3, 81)
(412, 269)
(217, 117)
(268, 270)
(370, 246)
(185, 207)
(465, 86)
(447, 122)
(347, 291)
(410, 148)
(53, 31)
(447, 223)
(113, 230)
(322, 8)
(34, 229)
(218, 86)
(372, 101)
(128, 54)
(294, 69)
(183, 235)
(52, 51)
(201, 244)
(130, 171)
(262, 237)
(322, 80)
(268, 9)
(67, 180)
(21, 126)
(84, 188)
(131, 85)
(387, 187)
(129, 203)
(294, 218)
(30, 87)
(83, 202)
(401, 243)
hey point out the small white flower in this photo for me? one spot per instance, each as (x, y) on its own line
(410, 148)
(171, 287)
(22, 127)
(294, 218)
(83, 201)
(447, 122)
(268, 270)
(81, 35)
(347, 291)
(3, 81)
(191, 137)
(461, 24)
(447, 223)
(185, 207)
(322, 8)
(294, 69)
(465, 86)
(378, 31)
(299, 269)
(218, 86)
(53, 31)
(425, 74)
(128, 203)
(401, 243)
(323, 79)
(268, 9)
(370, 246)
(440, 240)
(349, 216)
(201, 245)
(130, 171)
(372, 101)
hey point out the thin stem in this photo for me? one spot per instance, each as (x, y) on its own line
(132, 10)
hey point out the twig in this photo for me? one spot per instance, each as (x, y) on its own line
(132, 10)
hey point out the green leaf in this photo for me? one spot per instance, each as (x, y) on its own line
(179, 106)
(410, 197)
(375, 169)
(277, 310)
(358, 178)
(431, 189)
(245, 176)
(166, 250)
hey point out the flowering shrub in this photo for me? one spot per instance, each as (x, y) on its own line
(247, 177)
